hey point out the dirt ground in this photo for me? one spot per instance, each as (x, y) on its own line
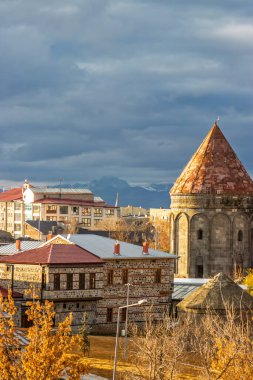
(101, 358)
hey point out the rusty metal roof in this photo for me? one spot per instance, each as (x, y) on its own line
(214, 169)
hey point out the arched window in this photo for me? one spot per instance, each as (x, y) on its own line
(200, 234)
(240, 235)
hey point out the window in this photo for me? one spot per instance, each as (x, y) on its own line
(77, 305)
(44, 279)
(200, 234)
(64, 209)
(51, 209)
(17, 227)
(109, 212)
(240, 235)
(17, 217)
(86, 211)
(57, 281)
(36, 208)
(69, 281)
(17, 206)
(51, 218)
(98, 212)
(123, 315)
(199, 271)
(92, 280)
(110, 277)
(81, 281)
(158, 276)
(86, 222)
(109, 314)
(124, 276)
(64, 306)
(75, 210)
(96, 221)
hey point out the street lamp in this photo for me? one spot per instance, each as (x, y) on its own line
(117, 333)
(126, 322)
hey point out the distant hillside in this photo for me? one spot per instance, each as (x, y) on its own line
(152, 196)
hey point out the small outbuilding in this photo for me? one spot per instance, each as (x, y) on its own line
(215, 296)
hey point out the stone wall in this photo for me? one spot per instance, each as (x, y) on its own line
(142, 277)
(212, 234)
(142, 274)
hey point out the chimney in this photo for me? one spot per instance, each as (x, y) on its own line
(145, 248)
(116, 248)
(18, 245)
(49, 236)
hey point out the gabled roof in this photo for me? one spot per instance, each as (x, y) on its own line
(216, 294)
(11, 195)
(53, 254)
(214, 169)
(104, 248)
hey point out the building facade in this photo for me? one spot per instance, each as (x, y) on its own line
(78, 206)
(92, 279)
(212, 212)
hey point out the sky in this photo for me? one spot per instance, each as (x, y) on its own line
(125, 88)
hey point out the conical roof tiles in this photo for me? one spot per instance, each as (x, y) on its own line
(214, 169)
(216, 294)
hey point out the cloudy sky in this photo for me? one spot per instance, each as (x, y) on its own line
(92, 88)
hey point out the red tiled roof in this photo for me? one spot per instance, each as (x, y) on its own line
(11, 195)
(53, 254)
(214, 168)
(4, 293)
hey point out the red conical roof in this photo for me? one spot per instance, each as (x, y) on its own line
(214, 169)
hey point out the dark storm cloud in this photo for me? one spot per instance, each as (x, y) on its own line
(120, 87)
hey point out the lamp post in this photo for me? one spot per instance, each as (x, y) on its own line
(117, 333)
(126, 322)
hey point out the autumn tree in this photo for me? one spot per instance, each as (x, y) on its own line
(248, 281)
(161, 239)
(84, 332)
(157, 348)
(47, 354)
(132, 230)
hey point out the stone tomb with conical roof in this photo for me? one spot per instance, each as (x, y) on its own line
(218, 295)
(212, 211)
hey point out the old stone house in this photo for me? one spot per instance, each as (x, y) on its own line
(92, 279)
(211, 215)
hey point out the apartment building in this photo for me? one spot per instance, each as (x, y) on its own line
(51, 204)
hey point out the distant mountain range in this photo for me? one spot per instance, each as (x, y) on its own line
(152, 196)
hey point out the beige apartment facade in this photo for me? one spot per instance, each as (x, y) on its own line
(78, 206)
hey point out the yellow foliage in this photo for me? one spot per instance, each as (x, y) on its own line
(47, 354)
(248, 280)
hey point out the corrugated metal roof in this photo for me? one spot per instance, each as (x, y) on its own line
(10, 249)
(104, 248)
(58, 190)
